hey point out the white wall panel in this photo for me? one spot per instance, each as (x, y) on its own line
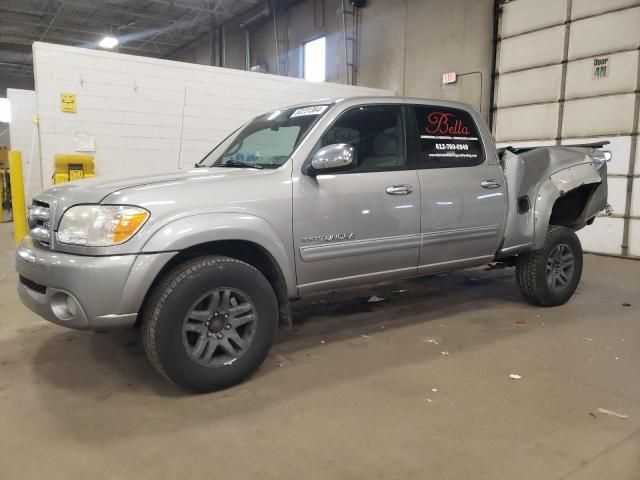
(597, 116)
(24, 138)
(525, 15)
(635, 199)
(617, 196)
(634, 238)
(530, 86)
(527, 123)
(605, 33)
(622, 68)
(542, 48)
(603, 236)
(584, 8)
(620, 148)
(149, 115)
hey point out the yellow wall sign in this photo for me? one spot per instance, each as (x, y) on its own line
(68, 102)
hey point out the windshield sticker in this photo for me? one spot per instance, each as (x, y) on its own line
(315, 110)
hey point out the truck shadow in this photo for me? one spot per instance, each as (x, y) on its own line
(106, 371)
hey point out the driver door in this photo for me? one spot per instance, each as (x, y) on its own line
(361, 223)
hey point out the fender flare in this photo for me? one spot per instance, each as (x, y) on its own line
(556, 186)
(186, 232)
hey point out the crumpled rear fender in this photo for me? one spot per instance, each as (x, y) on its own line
(558, 185)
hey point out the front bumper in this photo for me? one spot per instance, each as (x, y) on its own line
(82, 292)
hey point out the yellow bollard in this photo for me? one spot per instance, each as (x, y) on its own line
(17, 196)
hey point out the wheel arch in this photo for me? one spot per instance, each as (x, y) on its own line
(243, 250)
(564, 199)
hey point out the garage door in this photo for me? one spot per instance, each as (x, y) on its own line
(567, 72)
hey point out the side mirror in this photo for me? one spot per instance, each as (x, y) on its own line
(339, 155)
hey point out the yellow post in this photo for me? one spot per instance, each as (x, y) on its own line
(17, 196)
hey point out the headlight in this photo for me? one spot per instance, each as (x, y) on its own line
(100, 225)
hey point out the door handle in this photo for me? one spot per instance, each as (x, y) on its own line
(489, 184)
(399, 190)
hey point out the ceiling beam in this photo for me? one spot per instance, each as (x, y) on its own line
(51, 22)
(61, 28)
(195, 8)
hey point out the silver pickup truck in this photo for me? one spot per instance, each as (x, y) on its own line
(301, 200)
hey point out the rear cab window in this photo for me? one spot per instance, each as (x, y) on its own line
(447, 138)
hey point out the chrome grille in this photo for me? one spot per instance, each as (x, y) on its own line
(38, 219)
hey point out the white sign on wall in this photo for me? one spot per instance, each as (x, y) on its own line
(449, 77)
(600, 68)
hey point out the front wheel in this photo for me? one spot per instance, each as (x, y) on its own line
(210, 323)
(548, 277)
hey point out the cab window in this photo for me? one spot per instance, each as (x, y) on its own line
(378, 134)
(448, 137)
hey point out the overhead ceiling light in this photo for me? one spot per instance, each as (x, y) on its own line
(108, 42)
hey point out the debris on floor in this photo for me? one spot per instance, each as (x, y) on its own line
(445, 352)
(429, 400)
(375, 299)
(364, 336)
(322, 342)
(626, 304)
(431, 340)
(588, 339)
(611, 413)
(515, 376)
(434, 390)
(521, 322)
(400, 291)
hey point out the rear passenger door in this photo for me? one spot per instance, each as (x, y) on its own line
(463, 202)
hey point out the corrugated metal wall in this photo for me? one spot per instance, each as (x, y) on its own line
(550, 91)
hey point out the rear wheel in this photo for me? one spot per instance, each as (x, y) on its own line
(548, 277)
(210, 323)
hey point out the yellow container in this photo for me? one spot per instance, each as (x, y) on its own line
(69, 167)
(60, 178)
(75, 174)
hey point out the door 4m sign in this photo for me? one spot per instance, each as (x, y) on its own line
(68, 102)
(600, 68)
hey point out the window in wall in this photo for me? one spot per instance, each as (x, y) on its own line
(314, 60)
(5, 110)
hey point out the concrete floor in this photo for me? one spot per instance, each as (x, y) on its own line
(416, 386)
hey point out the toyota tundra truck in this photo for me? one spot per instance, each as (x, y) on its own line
(301, 200)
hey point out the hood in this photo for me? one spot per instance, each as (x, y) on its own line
(96, 190)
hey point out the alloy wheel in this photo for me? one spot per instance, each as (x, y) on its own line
(219, 327)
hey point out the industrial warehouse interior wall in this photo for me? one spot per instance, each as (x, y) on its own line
(403, 45)
(23, 133)
(568, 72)
(147, 115)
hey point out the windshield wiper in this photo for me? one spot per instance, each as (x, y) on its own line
(240, 163)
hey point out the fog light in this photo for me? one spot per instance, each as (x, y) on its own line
(63, 306)
(71, 306)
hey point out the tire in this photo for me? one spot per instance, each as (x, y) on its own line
(185, 332)
(545, 277)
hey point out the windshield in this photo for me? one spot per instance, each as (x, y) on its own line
(266, 141)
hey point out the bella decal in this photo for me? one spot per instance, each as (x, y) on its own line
(441, 123)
